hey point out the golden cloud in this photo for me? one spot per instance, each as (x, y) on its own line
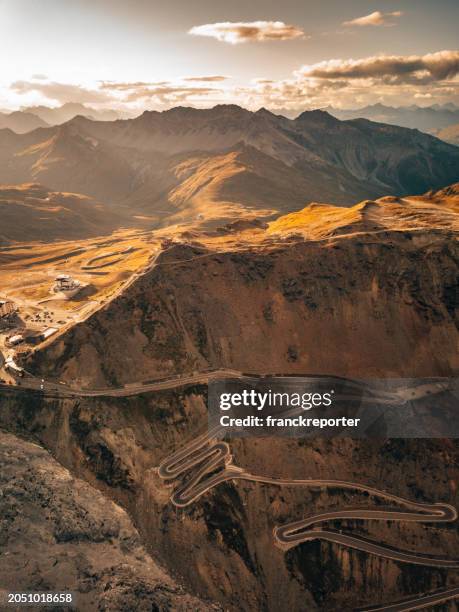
(207, 79)
(432, 66)
(248, 31)
(374, 19)
(61, 92)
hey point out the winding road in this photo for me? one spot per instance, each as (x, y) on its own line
(55, 388)
(206, 462)
(418, 603)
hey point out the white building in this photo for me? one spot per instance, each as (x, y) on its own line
(16, 339)
(66, 286)
(49, 331)
(12, 366)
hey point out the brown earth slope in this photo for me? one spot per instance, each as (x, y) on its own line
(32, 212)
(222, 547)
(365, 291)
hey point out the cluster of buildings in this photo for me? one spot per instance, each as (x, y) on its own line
(65, 287)
(9, 320)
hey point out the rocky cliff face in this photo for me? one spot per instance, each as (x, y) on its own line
(60, 534)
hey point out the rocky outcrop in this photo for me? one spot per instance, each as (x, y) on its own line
(59, 534)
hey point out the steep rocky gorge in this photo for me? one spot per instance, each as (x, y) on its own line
(221, 547)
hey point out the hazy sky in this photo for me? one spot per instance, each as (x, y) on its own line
(285, 54)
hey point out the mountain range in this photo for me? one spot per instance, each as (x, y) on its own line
(29, 118)
(21, 121)
(450, 134)
(434, 119)
(69, 110)
(430, 119)
(365, 289)
(225, 161)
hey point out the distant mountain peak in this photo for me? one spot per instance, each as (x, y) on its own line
(230, 108)
(268, 116)
(223, 110)
(319, 116)
(430, 119)
(21, 122)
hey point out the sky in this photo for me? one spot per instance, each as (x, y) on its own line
(286, 55)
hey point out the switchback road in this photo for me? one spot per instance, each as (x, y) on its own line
(206, 462)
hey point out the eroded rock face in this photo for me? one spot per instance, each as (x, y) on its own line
(60, 534)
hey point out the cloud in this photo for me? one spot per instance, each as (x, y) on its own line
(248, 31)
(390, 79)
(396, 68)
(60, 92)
(127, 86)
(169, 93)
(374, 19)
(207, 79)
(352, 83)
(136, 85)
(164, 92)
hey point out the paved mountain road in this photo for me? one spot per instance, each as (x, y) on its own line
(205, 462)
(419, 603)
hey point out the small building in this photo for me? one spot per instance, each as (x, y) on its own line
(33, 337)
(49, 331)
(14, 340)
(66, 286)
(12, 367)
